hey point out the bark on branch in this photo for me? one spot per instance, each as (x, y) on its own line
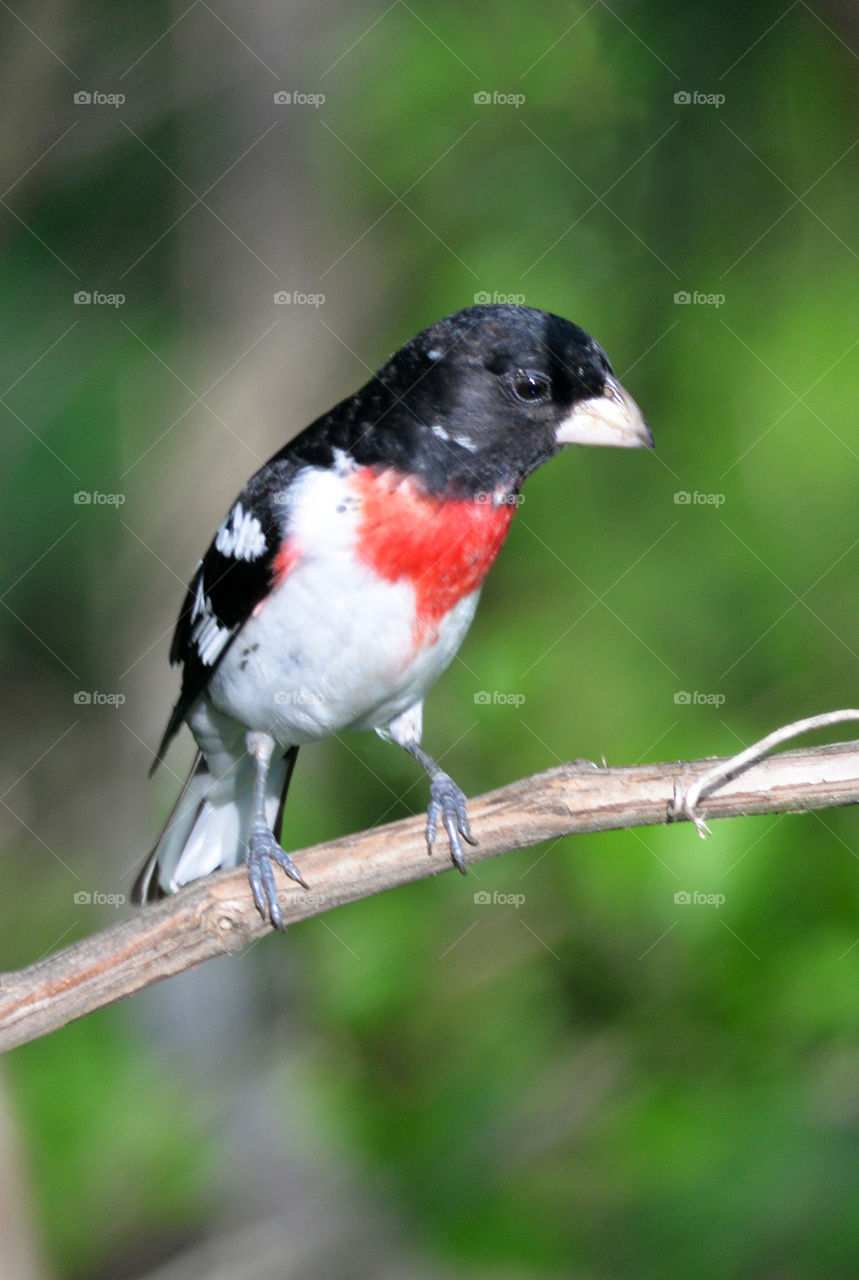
(216, 915)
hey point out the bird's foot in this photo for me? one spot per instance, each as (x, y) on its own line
(263, 850)
(448, 803)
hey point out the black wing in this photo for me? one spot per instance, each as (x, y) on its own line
(233, 577)
(235, 574)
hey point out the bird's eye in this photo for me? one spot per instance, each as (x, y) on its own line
(530, 387)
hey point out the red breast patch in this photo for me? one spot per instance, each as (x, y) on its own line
(284, 562)
(443, 547)
(282, 566)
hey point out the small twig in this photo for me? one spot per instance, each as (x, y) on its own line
(216, 915)
(687, 799)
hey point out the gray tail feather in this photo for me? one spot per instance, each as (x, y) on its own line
(209, 825)
(146, 887)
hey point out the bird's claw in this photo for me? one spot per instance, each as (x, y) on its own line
(263, 850)
(448, 803)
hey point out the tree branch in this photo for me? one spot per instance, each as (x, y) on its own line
(216, 915)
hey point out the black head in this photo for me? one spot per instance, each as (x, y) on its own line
(480, 399)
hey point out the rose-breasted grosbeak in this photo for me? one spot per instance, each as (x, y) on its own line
(346, 574)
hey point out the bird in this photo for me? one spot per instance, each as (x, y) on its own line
(345, 575)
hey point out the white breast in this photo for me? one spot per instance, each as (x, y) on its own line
(334, 646)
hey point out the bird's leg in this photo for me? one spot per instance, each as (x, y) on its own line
(447, 801)
(263, 848)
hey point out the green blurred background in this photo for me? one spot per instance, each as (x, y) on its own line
(598, 1083)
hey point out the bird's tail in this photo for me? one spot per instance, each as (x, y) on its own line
(210, 824)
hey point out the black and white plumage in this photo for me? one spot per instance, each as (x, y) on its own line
(345, 575)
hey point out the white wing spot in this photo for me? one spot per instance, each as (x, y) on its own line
(241, 535)
(208, 636)
(199, 601)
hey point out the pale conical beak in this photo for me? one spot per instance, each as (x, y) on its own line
(612, 418)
